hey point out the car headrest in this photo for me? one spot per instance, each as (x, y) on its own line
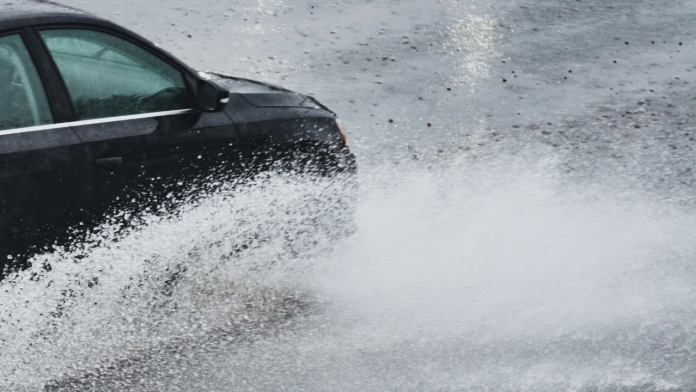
(7, 66)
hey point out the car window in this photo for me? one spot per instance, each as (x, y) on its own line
(107, 76)
(23, 101)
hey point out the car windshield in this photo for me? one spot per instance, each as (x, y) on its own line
(22, 99)
(108, 76)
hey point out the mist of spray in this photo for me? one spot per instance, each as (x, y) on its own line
(466, 274)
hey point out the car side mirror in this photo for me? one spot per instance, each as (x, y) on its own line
(211, 97)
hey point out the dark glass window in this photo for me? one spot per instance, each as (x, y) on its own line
(108, 76)
(23, 101)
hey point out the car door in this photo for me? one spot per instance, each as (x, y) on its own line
(44, 187)
(137, 115)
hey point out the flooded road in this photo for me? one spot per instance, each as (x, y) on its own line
(524, 219)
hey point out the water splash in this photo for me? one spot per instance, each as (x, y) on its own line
(475, 274)
(229, 262)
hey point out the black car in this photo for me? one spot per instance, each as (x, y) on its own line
(91, 113)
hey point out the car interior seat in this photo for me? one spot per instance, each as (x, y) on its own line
(15, 108)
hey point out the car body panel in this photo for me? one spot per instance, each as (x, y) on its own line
(39, 171)
(264, 125)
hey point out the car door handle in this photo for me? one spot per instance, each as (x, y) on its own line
(106, 162)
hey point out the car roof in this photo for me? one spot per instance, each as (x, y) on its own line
(21, 13)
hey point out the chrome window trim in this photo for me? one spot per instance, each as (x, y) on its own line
(91, 122)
